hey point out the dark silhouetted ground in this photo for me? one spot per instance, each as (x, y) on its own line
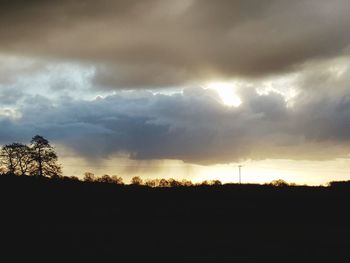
(67, 220)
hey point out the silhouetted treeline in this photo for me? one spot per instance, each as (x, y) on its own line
(137, 180)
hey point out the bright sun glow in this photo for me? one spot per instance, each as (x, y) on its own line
(226, 92)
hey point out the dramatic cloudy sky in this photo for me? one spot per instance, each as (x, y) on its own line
(186, 88)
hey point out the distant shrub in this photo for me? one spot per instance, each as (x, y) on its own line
(70, 178)
(185, 182)
(339, 184)
(216, 182)
(279, 183)
(89, 177)
(105, 179)
(163, 183)
(117, 179)
(136, 180)
(171, 182)
(210, 182)
(152, 182)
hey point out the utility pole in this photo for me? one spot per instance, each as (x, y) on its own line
(240, 174)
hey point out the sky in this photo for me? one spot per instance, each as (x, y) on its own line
(184, 89)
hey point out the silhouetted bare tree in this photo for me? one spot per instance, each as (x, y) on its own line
(105, 179)
(173, 183)
(163, 183)
(211, 182)
(279, 183)
(16, 158)
(110, 179)
(23, 157)
(216, 182)
(117, 179)
(44, 158)
(8, 159)
(185, 182)
(136, 180)
(152, 182)
(205, 182)
(89, 177)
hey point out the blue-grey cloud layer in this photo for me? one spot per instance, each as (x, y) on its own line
(194, 126)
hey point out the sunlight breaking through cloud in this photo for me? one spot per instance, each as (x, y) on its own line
(226, 92)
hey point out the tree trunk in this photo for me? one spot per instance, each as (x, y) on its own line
(40, 164)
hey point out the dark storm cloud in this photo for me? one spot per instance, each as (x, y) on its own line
(163, 43)
(193, 126)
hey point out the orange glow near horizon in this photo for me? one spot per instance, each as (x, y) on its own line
(260, 172)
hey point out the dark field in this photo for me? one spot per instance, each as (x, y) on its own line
(67, 220)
